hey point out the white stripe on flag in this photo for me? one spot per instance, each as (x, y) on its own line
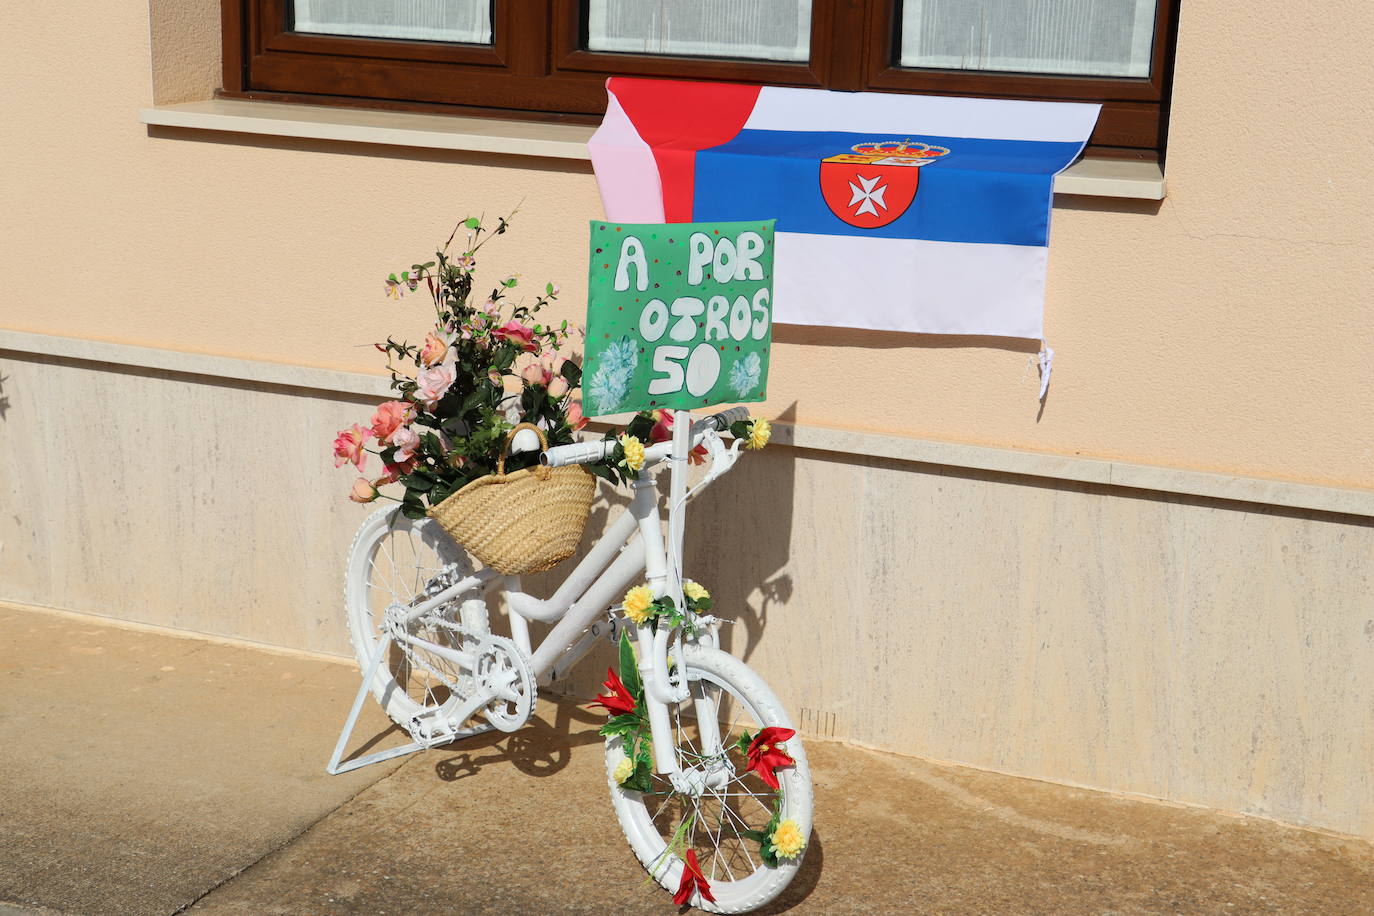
(909, 285)
(780, 108)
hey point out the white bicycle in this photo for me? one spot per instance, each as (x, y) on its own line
(704, 809)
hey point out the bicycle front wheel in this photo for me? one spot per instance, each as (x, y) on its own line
(718, 808)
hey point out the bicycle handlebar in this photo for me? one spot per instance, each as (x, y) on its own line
(725, 419)
(590, 452)
(577, 453)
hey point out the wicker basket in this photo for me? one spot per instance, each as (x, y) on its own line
(524, 522)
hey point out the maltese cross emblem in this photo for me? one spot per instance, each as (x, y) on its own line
(876, 182)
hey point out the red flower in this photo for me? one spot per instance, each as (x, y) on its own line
(663, 426)
(692, 880)
(765, 756)
(618, 701)
(517, 334)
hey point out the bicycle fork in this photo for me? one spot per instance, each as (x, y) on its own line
(663, 572)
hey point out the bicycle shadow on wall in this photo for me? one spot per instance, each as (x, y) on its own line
(738, 541)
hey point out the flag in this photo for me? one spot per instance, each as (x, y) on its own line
(925, 214)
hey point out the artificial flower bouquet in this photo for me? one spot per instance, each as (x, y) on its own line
(482, 371)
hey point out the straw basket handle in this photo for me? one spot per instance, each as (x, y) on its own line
(540, 471)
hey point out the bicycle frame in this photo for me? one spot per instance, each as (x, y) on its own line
(594, 585)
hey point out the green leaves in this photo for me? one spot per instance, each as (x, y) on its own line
(642, 779)
(472, 222)
(767, 851)
(740, 429)
(629, 669)
(623, 725)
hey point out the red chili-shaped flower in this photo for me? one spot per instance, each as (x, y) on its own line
(765, 756)
(619, 700)
(692, 880)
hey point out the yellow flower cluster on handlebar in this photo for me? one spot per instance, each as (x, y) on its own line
(642, 607)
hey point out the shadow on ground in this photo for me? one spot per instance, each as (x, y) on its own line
(197, 783)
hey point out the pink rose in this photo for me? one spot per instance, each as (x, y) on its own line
(363, 491)
(574, 414)
(494, 376)
(389, 417)
(407, 441)
(434, 350)
(434, 382)
(517, 334)
(558, 387)
(348, 446)
(535, 374)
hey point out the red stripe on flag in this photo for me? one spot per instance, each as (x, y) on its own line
(678, 118)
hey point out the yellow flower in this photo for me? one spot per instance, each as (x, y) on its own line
(759, 432)
(788, 839)
(634, 453)
(623, 770)
(637, 603)
(694, 591)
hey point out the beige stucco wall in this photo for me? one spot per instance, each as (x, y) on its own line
(1207, 652)
(1191, 649)
(1228, 329)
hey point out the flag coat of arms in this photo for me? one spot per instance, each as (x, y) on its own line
(926, 214)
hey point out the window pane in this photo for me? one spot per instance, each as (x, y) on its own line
(462, 21)
(762, 30)
(1082, 37)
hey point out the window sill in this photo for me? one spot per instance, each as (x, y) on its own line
(1118, 178)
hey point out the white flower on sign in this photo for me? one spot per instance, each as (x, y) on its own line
(611, 381)
(744, 375)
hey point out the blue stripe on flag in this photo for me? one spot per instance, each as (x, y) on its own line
(988, 191)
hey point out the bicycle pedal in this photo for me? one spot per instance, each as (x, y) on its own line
(431, 728)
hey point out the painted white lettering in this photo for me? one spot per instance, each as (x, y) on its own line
(723, 264)
(686, 309)
(702, 370)
(700, 244)
(653, 321)
(750, 246)
(739, 318)
(760, 313)
(667, 360)
(631, 252)
(718, 308)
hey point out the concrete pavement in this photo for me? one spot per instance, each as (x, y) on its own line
(152, 774)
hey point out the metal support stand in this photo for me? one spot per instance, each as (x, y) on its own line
(335, 767)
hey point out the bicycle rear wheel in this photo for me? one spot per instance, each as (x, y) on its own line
(391, 560)
(664, 822)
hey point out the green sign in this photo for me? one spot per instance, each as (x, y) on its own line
(679, 315)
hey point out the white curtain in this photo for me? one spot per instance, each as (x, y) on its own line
(463, 21)
(1080, 37)
(760, 29)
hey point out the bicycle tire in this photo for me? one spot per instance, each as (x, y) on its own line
(706, 666)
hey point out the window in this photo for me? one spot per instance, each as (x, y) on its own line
(550, 57)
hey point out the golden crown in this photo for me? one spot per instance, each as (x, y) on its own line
(906, 149)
